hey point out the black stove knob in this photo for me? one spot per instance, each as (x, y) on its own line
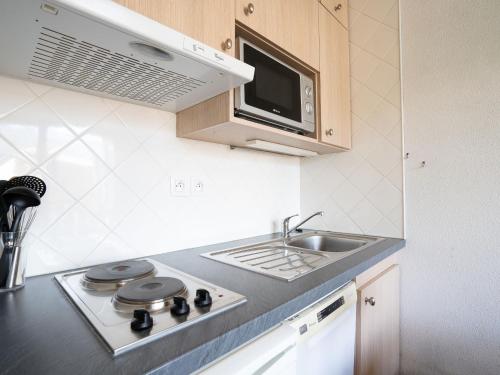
(142, 320)
(203, 298)
(180, 307)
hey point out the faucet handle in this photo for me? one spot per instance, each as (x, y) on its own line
(286, 222)
(287, 219)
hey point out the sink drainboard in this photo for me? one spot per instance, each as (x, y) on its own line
(279, 260)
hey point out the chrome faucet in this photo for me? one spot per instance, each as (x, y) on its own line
(286, 223)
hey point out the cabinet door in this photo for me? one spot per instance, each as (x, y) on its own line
(209, 21)
(291, 24)
(339, 9)
(335, 91)
(377, 347)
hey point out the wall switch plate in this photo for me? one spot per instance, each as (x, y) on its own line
(197, 185)
(179, 186)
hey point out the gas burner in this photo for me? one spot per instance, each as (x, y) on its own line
(152, 294)
(115, 275)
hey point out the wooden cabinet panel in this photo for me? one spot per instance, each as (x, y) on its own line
(209, 21)
(335, 92)
(339, 9)
(291, 24)
(377, 347)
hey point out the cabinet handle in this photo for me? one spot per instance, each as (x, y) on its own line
(337, 7)
(228, 44)
(249, 9)
(330, 132)
(370, 301)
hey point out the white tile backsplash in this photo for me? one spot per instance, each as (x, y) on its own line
(368, 197)
(75, 234)
(78, 111)
(76, 168)
(108, 166)
(12, 161)
(36, 131)
(111, 140)
(13, 95)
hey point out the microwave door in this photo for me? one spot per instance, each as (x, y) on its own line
(275, 92)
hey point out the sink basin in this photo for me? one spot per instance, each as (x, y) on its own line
(328, 243)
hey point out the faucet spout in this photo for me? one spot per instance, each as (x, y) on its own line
(287, 231)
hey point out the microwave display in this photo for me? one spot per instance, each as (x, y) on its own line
(275, 87)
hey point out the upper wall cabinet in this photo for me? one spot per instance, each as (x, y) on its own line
(339, 9)
(290, 24)
(335, 90)
(209, 21)
(310, 35)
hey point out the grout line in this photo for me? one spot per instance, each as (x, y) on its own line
(373, 18)
(377, 57)
(375, 93)
(58, 252)
(18, 107)
(22, 154)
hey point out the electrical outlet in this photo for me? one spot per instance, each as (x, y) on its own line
(197, 185)
(179, 186)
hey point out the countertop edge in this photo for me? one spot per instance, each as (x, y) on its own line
(204, 354)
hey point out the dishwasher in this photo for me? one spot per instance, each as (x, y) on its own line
(319, 339)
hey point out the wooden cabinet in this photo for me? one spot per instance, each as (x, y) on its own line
(339, 10)
(209, 21)
(377, 336)
(303, 31)
(290, 24)
(335, 92)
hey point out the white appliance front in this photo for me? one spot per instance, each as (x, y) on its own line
(318, 340)
(102, 48)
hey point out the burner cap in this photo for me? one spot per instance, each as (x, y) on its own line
(120, 271)
(150, 290)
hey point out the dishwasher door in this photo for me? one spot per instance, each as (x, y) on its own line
(331, 350)
(327, 334)
(318, 340)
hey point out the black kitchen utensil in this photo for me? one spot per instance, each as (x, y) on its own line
(5, 261)
(4, 185)
(34, 183)
(20, 198)
(4, 207)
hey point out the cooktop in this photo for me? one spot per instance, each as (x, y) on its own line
(133, 302)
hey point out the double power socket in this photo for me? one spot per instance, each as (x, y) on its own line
(183, 186)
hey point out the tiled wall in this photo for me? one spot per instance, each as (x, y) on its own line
(108, 166)
(361, 190)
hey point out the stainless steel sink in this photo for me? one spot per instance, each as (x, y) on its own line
(329, 243)
(294, 257)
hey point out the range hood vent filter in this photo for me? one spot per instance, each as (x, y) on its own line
(64, 59)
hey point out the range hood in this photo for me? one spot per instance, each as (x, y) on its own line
(102, 48)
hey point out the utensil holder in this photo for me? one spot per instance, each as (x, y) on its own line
(12, 261)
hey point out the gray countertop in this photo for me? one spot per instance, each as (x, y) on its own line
(41, 331)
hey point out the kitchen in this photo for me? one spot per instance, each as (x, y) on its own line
(177, 138)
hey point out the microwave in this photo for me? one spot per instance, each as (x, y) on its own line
(279, 95)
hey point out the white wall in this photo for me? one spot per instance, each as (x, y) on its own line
(361, 190)
(451, 114)
(108, 167)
